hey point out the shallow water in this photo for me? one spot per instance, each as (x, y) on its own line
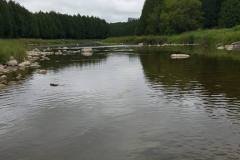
(124, 106)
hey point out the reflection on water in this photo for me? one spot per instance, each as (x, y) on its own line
(119, 105)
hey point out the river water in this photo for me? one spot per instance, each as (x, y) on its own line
(124, 106)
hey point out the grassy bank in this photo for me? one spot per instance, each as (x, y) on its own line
(211, 37)
(17, 47)
(13, 48)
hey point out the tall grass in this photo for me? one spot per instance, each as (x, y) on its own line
(9, 48)
(211, 37)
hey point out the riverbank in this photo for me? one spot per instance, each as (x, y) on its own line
(19, 57)
(206, 38)
(17, 48)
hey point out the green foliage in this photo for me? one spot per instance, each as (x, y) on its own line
(123, 28)
(17, 22)
(181, 15)
(208, 38)
(230, 13)
(10, 48)
(164, 17)
(170, 16)
(211, 10)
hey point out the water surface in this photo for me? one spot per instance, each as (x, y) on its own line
(124, 106)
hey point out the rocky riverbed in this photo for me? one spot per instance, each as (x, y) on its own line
(13, 71)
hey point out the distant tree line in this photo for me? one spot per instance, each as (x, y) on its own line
(176, 16)
(123, 28)
(18, 22)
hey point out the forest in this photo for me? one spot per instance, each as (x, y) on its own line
(159, 17)
(164, 17)
(18, 22)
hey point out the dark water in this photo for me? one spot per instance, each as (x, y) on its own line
(124, 106)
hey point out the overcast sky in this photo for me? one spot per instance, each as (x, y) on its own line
(111, 10)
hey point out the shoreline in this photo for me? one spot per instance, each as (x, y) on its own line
(13, 71)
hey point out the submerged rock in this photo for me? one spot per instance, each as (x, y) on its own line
(180, 56)
(42, 71)
(35, 65)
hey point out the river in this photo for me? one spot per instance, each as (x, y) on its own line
(124, 105)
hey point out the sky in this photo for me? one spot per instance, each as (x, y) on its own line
(110, 10)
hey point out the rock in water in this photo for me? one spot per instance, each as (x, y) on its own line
(87, 51)
(54, 84)
(229, 47)
(42, 71)
(180, 56)
(35, 65)
(2, 86)
(220, 47)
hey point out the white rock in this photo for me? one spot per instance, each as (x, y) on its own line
(180, 56)
(35, 65)
(3, 78)
(140, 44)
(229, 47)
(220, 47)
(25, 64)
(12, 62)
(58, 52)
(42, 71)
(87, 49)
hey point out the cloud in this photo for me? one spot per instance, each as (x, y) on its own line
(111, 10)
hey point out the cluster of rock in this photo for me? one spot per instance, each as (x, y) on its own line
(14, 68)
(231, 47)
(168, 45)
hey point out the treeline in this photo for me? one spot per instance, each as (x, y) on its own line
(176, 16)
(123, 28)
(18, 22)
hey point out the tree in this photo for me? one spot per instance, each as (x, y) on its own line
(211, 11)
(230, 13)
(150, 16)
(180, 16)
